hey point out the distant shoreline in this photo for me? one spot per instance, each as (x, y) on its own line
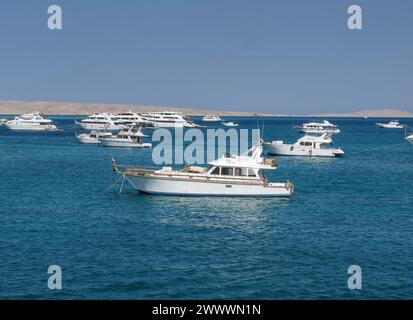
(85, 109)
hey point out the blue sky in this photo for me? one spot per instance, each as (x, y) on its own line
(294, 56)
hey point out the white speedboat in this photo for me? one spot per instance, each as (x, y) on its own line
(168, 119)
(132, 138)
(230, 175)
(101, 121)
(319, 127)
(410, 138)
(309, 145)
(230, 124)
(3, 121)
(394, 124)
(211, 118)
(31, 122)
(93, 136)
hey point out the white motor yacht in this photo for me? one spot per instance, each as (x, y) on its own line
(168, 119)
(132, 138)
(394, 124)
(309, 145)
(230, 175)
(101, 121)
(93, 136)
(319, 127)
(131, 118)
(211, 118)
(230, 124)
(31, 122)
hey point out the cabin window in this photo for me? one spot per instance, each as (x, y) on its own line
(227, 171)
(251, 173)
(215, 171)
(244, 172)
(237, 172)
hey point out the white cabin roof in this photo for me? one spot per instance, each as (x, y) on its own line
(325, 123)
(255, 161)
(324, 138)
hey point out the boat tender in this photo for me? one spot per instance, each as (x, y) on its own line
(230, 124)
(230, 175)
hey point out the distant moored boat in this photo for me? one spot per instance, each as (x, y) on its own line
(394, 124)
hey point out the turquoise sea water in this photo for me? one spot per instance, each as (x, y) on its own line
(354, 210)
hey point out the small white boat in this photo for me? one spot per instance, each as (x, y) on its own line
(230, 175)
(309, 146)
(31, 122)
(394, 124)
(132, 138)
(3, 121)
(212, 118)
(319, 127)
(93, 136)
(230, 124)
(410, 138)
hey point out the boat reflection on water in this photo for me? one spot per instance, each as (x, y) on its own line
(248, 215)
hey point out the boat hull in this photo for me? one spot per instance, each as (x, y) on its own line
(30, 127)
(99, 126)
(88, 140)
(320, 131)
(292, 150)
(162, 186)
(124, 144)
(410, 139)
(389, 126)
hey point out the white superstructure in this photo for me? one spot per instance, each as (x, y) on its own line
(31, 122)
(211, 118)
(168, 119)
(100, 121)
(394, 124)
(230, 175)
(131, 118)
(319, 127)
(93, 136)
(131, 138)
(309, 145)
